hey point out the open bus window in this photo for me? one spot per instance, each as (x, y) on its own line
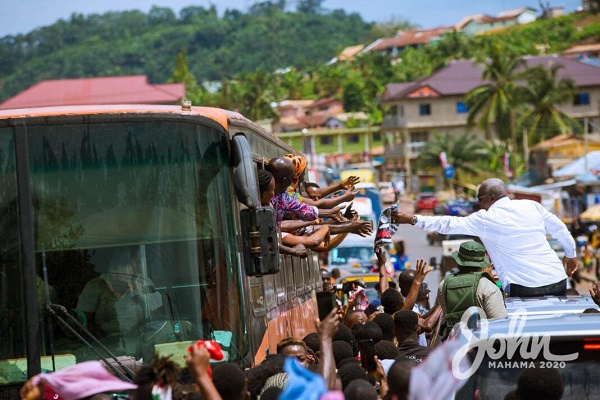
(133, 222)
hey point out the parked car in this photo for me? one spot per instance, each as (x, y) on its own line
(458, 207)
(574, 336)
(387, 192)
(434, 238)
(426, 201)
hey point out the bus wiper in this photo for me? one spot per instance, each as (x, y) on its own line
(50, 308)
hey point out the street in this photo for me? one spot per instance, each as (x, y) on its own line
(415, 240)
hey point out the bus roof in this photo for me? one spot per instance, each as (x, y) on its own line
(218, 115)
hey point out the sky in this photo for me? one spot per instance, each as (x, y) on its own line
(23, 16)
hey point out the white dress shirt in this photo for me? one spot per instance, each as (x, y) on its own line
(514, 235)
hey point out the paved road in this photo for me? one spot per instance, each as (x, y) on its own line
(417, 247)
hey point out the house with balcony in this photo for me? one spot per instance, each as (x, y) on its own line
(480, 23)
(437, 104)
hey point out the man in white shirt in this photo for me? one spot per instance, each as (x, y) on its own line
(514, 234)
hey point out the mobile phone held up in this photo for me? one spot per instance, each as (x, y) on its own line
(367, 354)
(325, 303)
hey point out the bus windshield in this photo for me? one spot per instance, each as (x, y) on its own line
(133, 222)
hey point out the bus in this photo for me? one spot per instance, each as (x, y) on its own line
(136, 229)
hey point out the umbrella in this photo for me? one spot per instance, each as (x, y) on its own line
(592, 214)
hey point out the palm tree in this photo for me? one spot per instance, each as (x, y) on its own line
(496, 99)
(463, 153)
(544, 93)
(258, 95)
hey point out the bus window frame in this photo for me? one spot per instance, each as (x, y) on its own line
(280, 281)
(290, 287)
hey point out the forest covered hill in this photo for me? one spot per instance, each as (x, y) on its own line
(266, 37)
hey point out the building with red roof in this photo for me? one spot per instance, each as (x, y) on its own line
(133, 89)
(437, 103)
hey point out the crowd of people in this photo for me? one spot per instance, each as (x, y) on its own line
(363, 349)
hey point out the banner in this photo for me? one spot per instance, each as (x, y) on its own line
(506, 165)
(444, 159)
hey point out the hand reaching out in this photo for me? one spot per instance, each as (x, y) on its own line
(336, 215)
(350, 181)
(595, 293)
(300, 251)
(328, 327)
(422, 270)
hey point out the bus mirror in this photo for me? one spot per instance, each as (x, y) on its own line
(244, 177)
(260, 245)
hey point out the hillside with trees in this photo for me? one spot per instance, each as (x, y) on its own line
(267, 37)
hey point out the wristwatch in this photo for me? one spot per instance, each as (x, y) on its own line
(414, 220)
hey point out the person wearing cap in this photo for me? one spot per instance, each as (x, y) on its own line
(470, 286)
(514, 234)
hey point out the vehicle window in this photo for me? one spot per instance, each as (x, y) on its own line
(346, 255)
(581, 377)
(134, 223)
(12, 308)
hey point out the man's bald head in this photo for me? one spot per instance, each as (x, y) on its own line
(490, 191)
(282, 170)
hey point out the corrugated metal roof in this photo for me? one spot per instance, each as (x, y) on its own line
(460, 76)
(133, 89)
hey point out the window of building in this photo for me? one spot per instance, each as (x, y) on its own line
(377, 137)
(401, 110)
(582, 99)
(425, 109)
(354, 138)
(461, 107)
(326, 140)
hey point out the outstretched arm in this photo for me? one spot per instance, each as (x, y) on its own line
(296, 251)
(345, 184)
(470, 225)
(326, 329)
(291, 225)
(333, 243)
(312, 241)
(383, 276)
(420, 273)
(348, 195)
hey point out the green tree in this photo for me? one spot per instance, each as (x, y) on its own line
(182, 74)
(544, 93)
(258, 95)
(389, 28)
(463, 152)
(496, 100)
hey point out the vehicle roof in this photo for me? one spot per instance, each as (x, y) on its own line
(550, 304)
(557, 325)
(223, 117)
(366, 277)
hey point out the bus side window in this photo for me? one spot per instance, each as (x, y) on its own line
(257, 295)
(298, 279)
(280, 281)
(270, 291)
(289, 278)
